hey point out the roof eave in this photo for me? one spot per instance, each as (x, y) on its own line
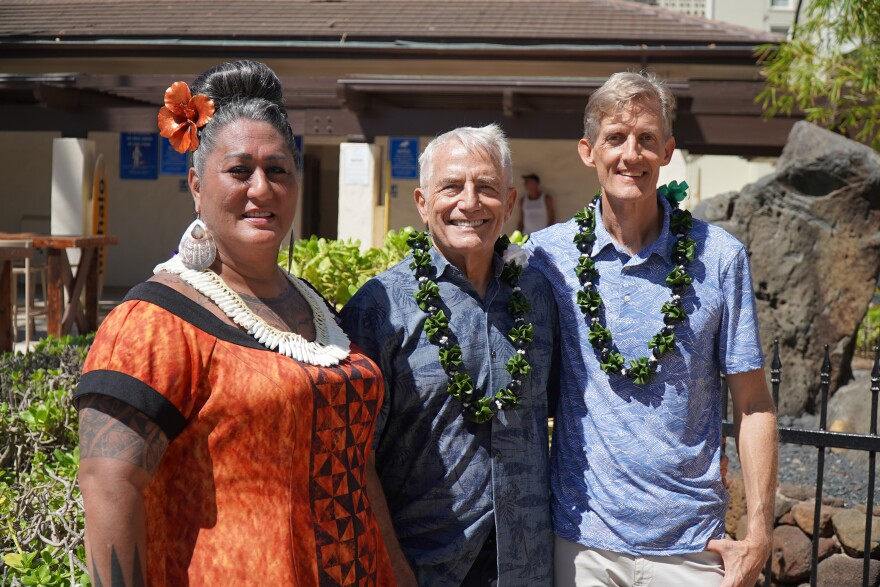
(124, 47)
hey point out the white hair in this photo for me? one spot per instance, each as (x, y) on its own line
(488, 140)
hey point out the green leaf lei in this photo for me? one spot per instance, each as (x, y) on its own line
(479, 407)
(642, 369)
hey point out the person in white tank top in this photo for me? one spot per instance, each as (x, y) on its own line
(536, 209)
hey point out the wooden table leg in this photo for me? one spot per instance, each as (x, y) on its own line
(91, 309)
(77, 310)
(75, 284)
(55, 291)
(6, 307)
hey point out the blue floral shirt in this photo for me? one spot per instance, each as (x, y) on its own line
(636, 469)
(447, 480)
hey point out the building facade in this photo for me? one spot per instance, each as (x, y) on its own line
(367, 84)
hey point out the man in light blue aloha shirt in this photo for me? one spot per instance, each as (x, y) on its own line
(469, 501)
(638, 497)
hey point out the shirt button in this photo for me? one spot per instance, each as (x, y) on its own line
(494, 354)
(626, 298)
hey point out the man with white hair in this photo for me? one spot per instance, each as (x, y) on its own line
(464, 335)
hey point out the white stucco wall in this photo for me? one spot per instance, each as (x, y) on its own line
(148, 216)
(710, 175)
(26, 168)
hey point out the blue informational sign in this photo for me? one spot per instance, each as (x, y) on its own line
(138, 156)
(404, 156)
(171, 162)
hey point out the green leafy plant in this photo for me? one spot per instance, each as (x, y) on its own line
(338, 268)
(41, 521)
(868, 335)
(829, 69)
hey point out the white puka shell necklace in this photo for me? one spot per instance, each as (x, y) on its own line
(331, 345)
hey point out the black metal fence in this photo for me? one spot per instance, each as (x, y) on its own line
(824, 439)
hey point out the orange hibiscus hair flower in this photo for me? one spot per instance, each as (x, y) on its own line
(182, 115)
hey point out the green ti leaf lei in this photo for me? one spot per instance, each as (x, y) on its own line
(481, 408)
(642, 369)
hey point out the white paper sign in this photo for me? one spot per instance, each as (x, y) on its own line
(358, 165)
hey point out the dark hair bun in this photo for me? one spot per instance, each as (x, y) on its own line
(240, 80)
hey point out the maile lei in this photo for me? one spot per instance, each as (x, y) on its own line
(480, 407)
(642, 369)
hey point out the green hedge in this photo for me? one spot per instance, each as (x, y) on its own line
(41, 522)
(337, 268)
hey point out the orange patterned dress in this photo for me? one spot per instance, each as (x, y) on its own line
(263, 482)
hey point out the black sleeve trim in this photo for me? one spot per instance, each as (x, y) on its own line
(136, 394)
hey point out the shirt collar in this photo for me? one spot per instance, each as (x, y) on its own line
(662, 246)
(443, 265)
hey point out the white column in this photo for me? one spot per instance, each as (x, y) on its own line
(73, 163)
(359, 179)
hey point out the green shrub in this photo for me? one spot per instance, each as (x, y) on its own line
(337, 268)
(41, 520)
(868, 335)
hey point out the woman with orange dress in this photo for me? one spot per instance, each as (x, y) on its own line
(225, 422)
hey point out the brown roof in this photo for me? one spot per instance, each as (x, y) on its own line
(516, 22)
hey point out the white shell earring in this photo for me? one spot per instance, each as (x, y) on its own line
(197, 249)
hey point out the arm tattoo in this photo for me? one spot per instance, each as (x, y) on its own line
(112, 429)
(117, 579)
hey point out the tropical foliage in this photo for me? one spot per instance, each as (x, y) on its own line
(337, 268)
(829, 69)
(41, 522)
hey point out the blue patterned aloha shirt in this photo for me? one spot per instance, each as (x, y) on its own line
(440, 472)
(636, 469)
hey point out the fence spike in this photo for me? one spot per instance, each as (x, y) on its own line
(826, 365)
(875, 372)
(872, 468)
(777, 363)
(820, 465)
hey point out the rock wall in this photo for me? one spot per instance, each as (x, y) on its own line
(841, 538)
(812, 229)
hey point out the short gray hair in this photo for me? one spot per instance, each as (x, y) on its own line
(622, 90)
(487, 140)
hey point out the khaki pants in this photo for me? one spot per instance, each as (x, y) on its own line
(578, 566)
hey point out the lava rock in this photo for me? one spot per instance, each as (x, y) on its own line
(828, 546)
(792, 552)
(812, 230)
(804, 514)
(796, 492)
(848, 411)
(782, 505)
(840, 570)
(736, 506)
(849, 526)
(742, 528)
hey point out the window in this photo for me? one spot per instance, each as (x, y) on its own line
(781, 4)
